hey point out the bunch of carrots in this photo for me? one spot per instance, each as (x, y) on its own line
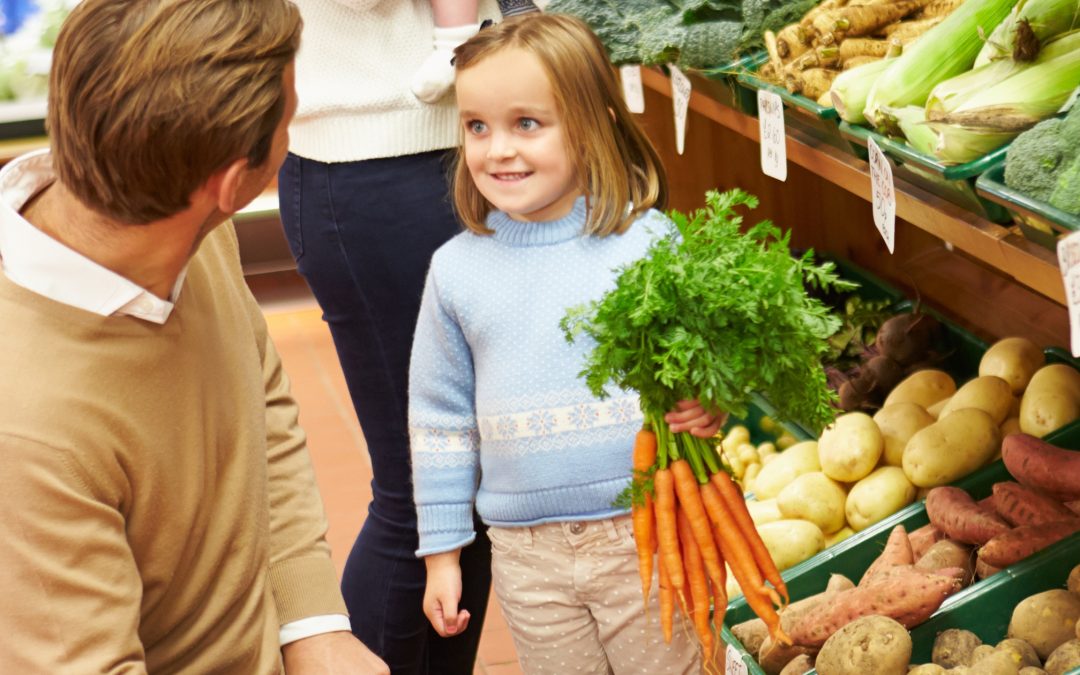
(693, 517)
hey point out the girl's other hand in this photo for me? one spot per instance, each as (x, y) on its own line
(443, 593)
(691, 416)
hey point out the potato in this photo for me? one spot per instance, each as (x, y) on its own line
(1046, 620)
(924, 387)
(948, 553)
(773, 658)
(1011, 425)
(748, 454)
(763, 510)
(951, 448)
(791, 541)
(838, 536)
(798, 665)
(993, 663)
(751, 472)
(766, 448)
(927, 669)
(884, 492)
(953, 647)
(734, 437)
(1073, 582)
(988, 392)
(1051, 400)
(795, 461)
(815, 497)
(980, 653)
(1013, 359)
(897, 423)
(786, 440)
(1064, 658)
(850, 448)
(1031, 670)
(1022, 653)
(935, 410)
(869, 644)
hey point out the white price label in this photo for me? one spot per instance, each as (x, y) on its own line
(631, 88)
(883, 195)
(733, 664)
(772, 135)
(680, 98)
(1068, 251)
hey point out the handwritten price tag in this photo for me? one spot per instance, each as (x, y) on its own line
(680, 98)
(734, 664)
(883, 195)
(1068, 250)
(771, 131)
(631, 88)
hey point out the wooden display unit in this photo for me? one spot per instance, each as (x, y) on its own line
(985, 276)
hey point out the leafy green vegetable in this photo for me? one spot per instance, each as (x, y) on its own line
(716, 314)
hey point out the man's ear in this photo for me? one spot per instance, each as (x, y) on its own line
(223, 188)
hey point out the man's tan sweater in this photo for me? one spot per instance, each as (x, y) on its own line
(158, 510)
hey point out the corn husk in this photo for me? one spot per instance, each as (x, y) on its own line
(851, 87)
(945, 50)
(957, 144)
(910, 122)
(1030, 94)
(1028, 26)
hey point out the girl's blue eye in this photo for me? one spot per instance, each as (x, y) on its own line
(529, 124)
(476, 126)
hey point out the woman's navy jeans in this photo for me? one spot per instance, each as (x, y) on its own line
(363, 234)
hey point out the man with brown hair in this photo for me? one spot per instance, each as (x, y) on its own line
(158, 509)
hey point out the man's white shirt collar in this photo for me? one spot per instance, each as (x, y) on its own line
(39, 263)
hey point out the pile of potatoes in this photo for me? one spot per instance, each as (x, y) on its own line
(1043, 638)
(928, 433)
(744, 458)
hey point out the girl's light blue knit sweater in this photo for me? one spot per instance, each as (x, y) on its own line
(497, 413)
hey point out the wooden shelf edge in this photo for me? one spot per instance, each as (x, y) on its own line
(990, 243)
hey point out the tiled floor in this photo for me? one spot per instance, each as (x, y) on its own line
(334, 437)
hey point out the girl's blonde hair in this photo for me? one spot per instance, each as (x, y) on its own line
(616, 164)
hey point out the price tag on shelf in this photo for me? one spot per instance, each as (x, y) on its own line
(733, 664)
(680, 98)
(772, 135)
(883, 194)
(1068, 251)
(631, 88)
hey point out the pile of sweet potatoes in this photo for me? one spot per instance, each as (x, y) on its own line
(1018, 518)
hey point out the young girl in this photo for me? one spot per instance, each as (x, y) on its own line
(555, 183)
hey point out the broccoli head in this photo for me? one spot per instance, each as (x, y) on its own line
(1044, 162)
(1066, 195)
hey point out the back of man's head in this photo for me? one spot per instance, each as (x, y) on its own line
(149, 98)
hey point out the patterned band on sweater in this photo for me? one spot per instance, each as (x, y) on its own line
(515, 7)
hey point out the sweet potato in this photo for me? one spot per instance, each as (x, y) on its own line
(897, 551)
(948, 553)
(902, 593)
(955, 513)
(923, 538)
(752, 633)
(1038, 464)
(1020, 542)
(983, 569)
(1021, 505)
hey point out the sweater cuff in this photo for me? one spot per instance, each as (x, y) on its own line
(444, 527)
(305, 587)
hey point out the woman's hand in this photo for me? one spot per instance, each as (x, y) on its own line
(443, 593)
(691, 416)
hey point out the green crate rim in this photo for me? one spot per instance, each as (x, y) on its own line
(902, 151)
(991, 185)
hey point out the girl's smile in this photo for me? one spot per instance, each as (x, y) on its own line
(515, 142)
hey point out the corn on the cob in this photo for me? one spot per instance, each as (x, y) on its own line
(1027, 28)
(851, 87)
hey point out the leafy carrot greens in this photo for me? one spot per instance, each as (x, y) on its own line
(714, 313)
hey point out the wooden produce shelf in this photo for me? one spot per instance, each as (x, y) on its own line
(995, 245)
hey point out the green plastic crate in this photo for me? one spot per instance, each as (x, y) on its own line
(721, 83)
(1040, 222)
(953, 183)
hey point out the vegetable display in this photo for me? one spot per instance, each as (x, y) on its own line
(715, 313)
(1044, 162)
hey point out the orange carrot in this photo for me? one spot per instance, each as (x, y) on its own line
(643, 517)
(696, 580)
(667, 602)
(736, 503)
(667, 534)
(686, 487)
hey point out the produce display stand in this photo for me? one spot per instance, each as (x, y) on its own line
(722, 83)
(954, 183)
(989, 244)
(853, 556)
(1039, 221)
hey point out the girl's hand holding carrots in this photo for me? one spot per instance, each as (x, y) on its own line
(443, 593)
(690, 416)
